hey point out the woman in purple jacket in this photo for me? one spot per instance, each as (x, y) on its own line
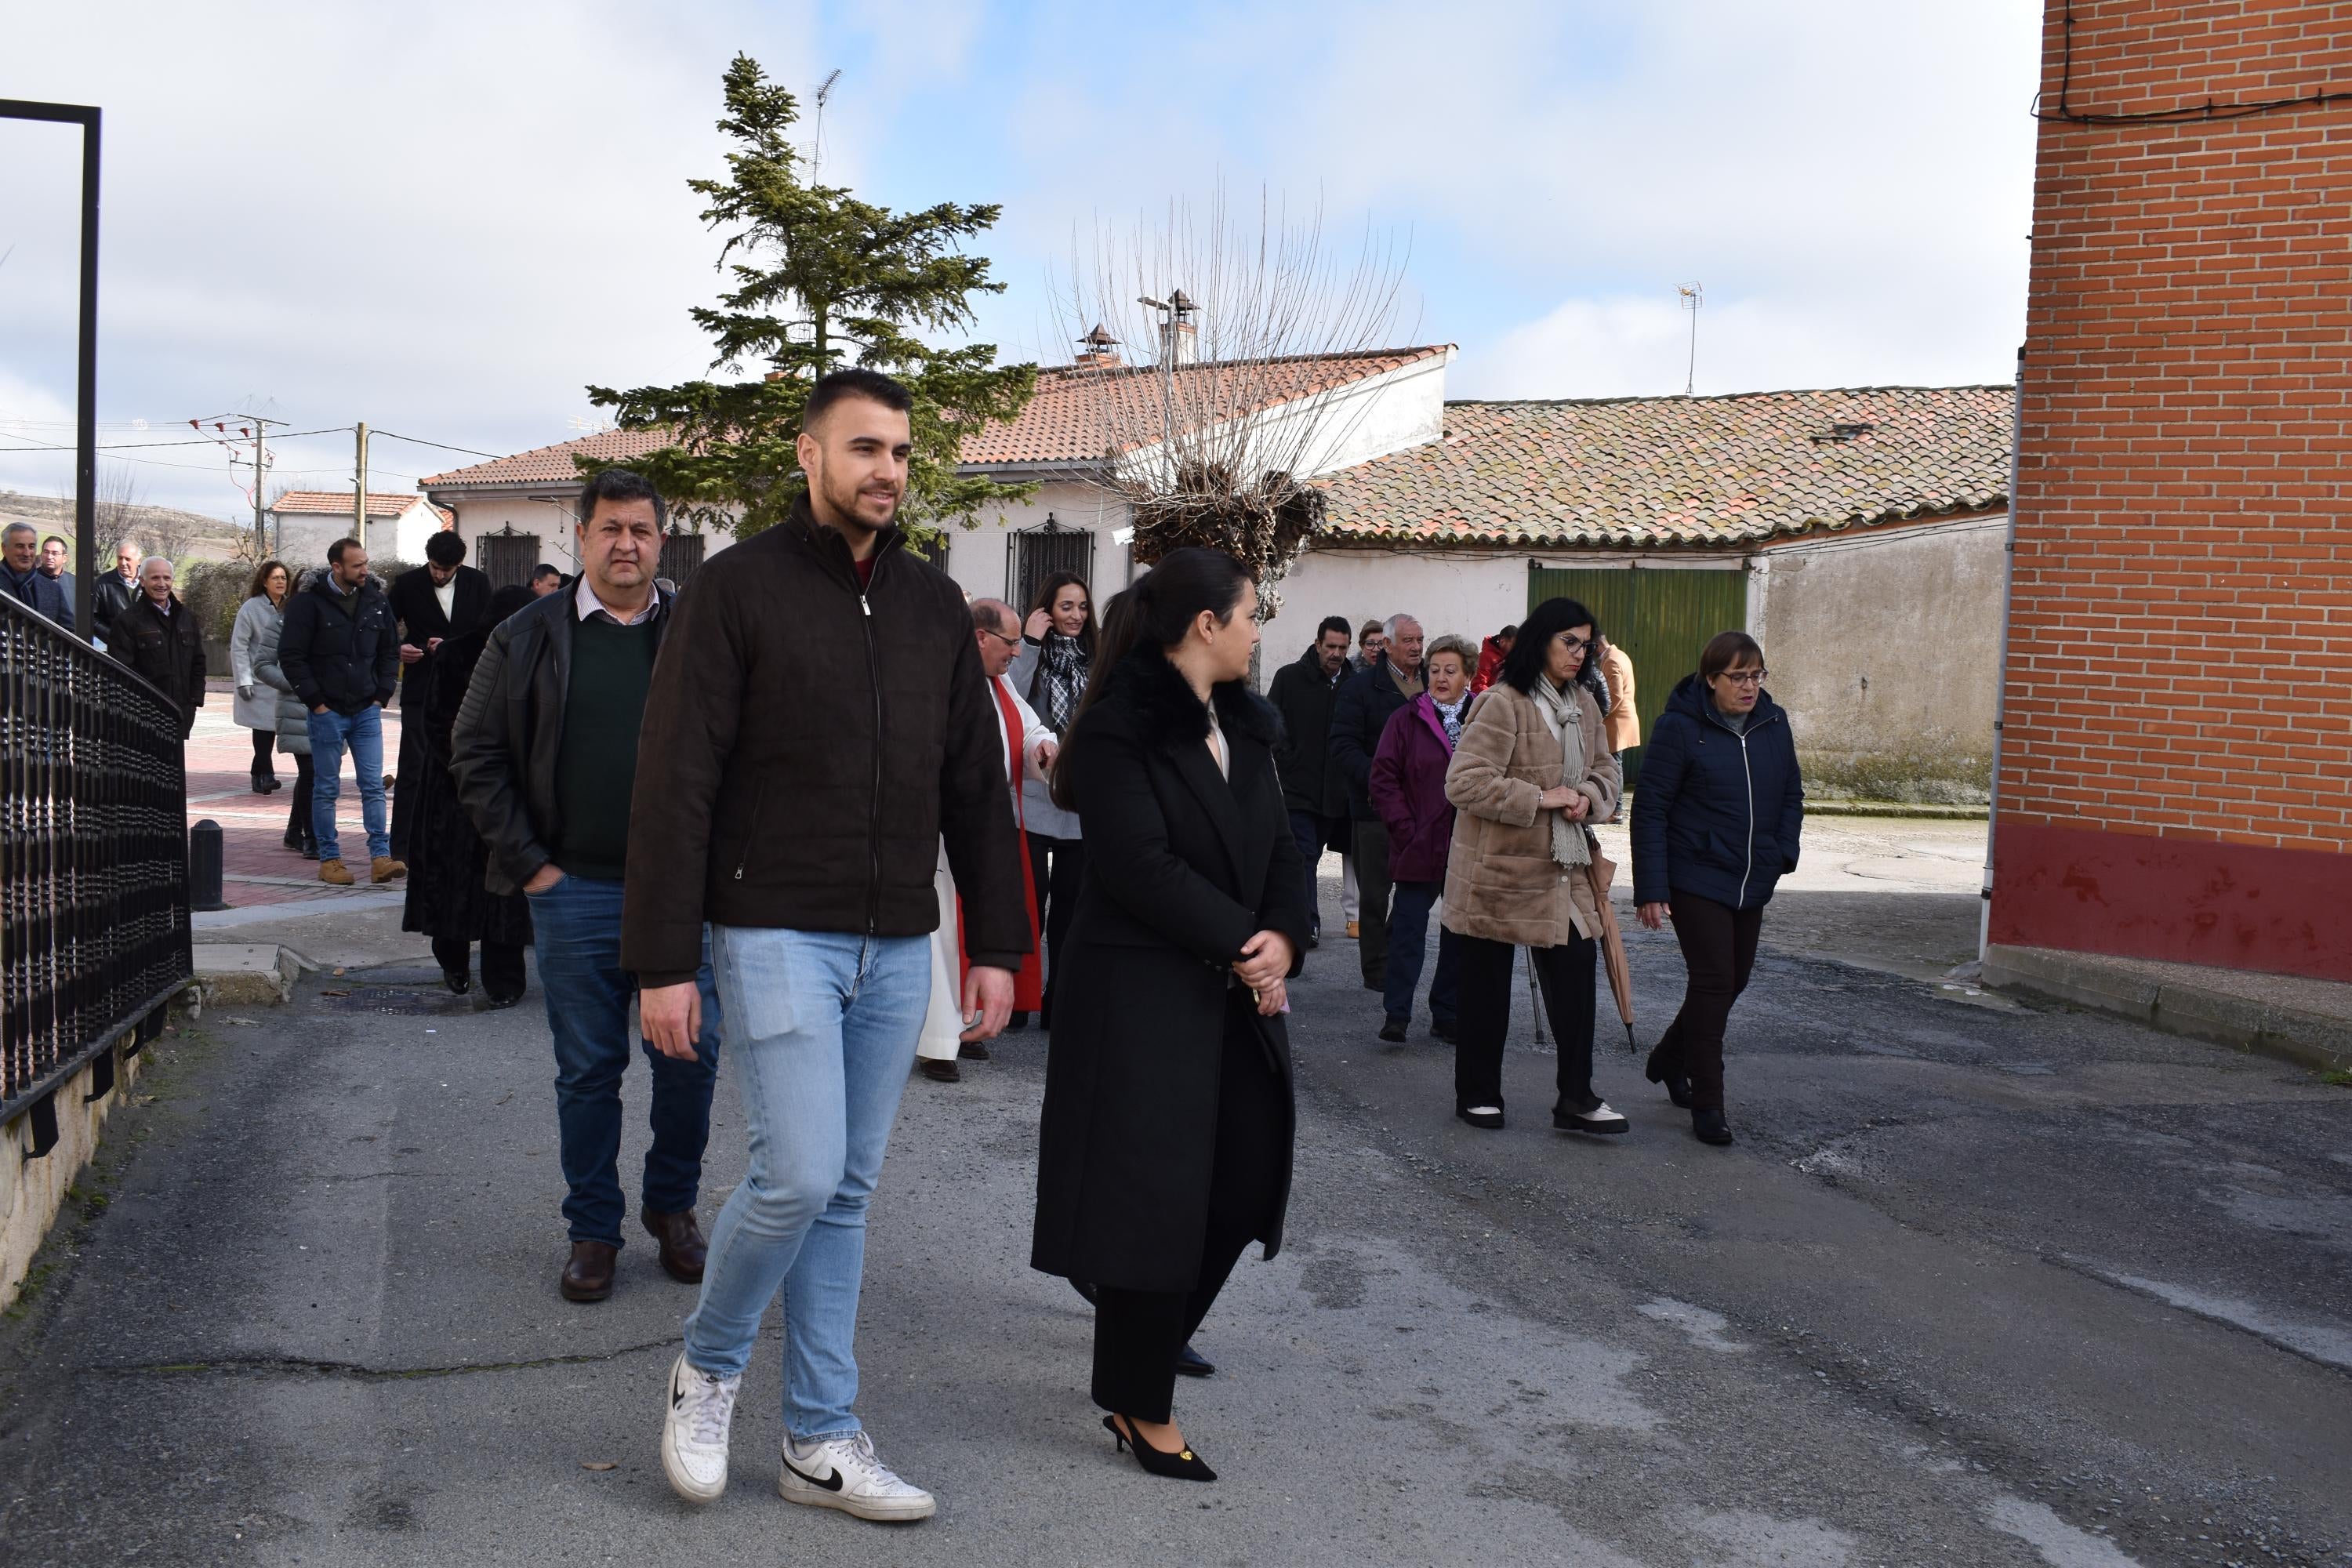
(1408, 790)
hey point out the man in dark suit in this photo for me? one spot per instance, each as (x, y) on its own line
(114, 593)
(53, 551)
(22, 579)
(435, 602)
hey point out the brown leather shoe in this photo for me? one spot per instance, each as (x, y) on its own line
(972, 1051)
(335, 873)
(385, 869)
(588, 1273)
(944, 1072)
(683, 1250)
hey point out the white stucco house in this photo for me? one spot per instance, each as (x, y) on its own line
(1859, 533)
(303, 523)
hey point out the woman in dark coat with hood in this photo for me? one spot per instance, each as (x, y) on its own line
(1716, 822)
(1165, 1148)
(447, 898)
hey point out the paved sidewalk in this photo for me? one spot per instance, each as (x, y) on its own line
(257, 868)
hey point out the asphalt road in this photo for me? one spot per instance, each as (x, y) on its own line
(1978, 1284)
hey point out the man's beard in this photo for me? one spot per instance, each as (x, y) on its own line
(844, 506)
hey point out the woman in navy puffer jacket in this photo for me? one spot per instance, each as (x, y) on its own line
(1716, 823)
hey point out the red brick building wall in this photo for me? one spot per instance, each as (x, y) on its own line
(2176, 775)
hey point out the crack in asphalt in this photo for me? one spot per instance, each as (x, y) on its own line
(304, 1366)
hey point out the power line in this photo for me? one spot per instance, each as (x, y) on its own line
(207, 441)
(444, 446)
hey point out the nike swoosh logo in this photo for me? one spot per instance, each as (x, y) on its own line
(832, 1483)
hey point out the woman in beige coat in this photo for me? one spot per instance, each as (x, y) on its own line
(1532, 768)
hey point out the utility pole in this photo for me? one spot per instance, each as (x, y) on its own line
(359, 500)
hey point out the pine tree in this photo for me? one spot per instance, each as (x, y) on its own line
(821, 280)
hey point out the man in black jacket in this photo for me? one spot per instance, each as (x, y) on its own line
(114, 593)
(1305, 692)
(545, 754)
(433, 602)
(1359, 716)
(818, 724)
(339, 647)
(158, 636)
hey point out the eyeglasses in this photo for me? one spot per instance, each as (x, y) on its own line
(1745, 677)
(1000, 637)
(1575, 644)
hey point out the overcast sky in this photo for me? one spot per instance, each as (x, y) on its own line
(448, 221)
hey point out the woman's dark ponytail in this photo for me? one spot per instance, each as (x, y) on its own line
(1155, 611)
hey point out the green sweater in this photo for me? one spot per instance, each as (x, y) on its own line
(612, 667)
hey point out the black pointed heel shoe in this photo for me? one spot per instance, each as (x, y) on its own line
(1678, 1088)
(1183, 1465)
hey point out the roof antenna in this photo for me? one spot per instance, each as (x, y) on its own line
(816, 142)
(1692, 296)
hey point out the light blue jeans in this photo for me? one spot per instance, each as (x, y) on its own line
(361, 734)
(821, 1030)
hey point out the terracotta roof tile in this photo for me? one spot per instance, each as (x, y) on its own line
(1062, 424)
(1699, 470)
(380, 503)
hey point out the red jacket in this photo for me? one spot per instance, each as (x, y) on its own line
(1408, 790)
(1490, 665)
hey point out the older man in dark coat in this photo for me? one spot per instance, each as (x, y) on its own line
(157, 635)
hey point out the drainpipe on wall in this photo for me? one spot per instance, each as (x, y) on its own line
(2001, 682)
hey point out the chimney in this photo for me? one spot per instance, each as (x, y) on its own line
(1096, 351)
(1180, 341)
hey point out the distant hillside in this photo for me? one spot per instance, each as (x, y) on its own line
(160, 530)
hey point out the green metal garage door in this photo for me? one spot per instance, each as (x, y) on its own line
(1660, 617)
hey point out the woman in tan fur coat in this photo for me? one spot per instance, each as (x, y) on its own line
(1532, 768)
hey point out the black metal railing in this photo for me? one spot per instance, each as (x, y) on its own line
(94, 938)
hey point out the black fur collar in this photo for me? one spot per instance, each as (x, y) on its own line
(1163, 702)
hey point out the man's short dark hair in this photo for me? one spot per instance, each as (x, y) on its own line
(621, 485)
(545, 569)
(53, 539)
(835, 384)
(1332, 624)
(340, 548)
(1509, 634)
(445, 548)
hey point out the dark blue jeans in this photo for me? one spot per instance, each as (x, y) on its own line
(1314, 835)
(1408, 937)
(576, 928)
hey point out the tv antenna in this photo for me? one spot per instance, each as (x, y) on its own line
(816, 143)
(1692, 296)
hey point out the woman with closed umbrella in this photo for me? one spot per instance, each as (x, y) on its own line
(1050, 671)
(1715, 824)
(1533, 766)
(255, 705)
(1166, 1138)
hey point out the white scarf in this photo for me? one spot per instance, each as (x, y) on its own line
(1559, 710)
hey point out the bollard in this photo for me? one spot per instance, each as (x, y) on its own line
(205, 865)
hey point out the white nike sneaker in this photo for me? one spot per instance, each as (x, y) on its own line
(694, 1432)
(842, 1472)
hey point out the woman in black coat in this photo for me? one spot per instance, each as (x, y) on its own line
(1165, 1149)
(1716, 823)
(447, 900)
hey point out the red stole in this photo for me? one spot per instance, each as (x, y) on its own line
(1029, 984)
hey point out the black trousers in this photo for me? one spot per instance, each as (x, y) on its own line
(1718, 945)
(502, 972)
(298, 818)
(1137, 1333)
(1368, 848)
(409, 772)
(1483, 987)
(263, 742)
(1059, 865)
